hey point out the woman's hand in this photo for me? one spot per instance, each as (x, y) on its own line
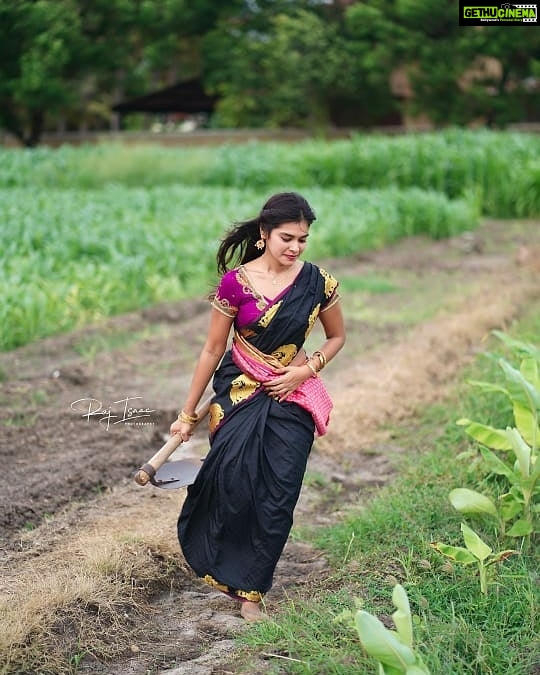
(288, 379)
(183, 429)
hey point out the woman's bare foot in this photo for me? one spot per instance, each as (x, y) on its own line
(251, 611)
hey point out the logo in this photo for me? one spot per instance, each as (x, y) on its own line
(500, 14)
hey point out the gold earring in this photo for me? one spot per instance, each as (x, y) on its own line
(260, 244)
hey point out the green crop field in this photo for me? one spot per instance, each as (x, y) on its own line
(94, 231)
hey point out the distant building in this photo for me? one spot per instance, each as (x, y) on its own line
(179, 102)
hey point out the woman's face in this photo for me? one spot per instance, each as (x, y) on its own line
(286, 242)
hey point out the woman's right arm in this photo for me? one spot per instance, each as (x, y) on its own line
(208, 361)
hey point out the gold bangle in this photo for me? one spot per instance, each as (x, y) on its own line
(322, 359)
(188, 419)
(311, 367)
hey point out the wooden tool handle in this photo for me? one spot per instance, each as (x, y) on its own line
(149, 468)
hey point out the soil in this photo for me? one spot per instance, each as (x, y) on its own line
(80, 412)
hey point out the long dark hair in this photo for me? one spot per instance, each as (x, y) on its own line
(238, 245)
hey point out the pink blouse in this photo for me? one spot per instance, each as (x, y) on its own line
(237, 297)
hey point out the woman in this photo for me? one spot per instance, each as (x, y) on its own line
(268, 403)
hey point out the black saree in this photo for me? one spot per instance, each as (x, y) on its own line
(237, 515)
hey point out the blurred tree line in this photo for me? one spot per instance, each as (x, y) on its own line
(273, 63)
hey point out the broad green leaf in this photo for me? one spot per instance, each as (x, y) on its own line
(388, 670)
(529, 370)
(528, 484)
(527, 424)
(489, 387)
(417, 670)
(521, 528)
(381, 643)
(402, 617)
(517, 493)
(521, 450)
(493, 438)
(519, 388)
(496, 465)
(510, 507)
(470, 501)
(518, 345)
(474, 544)
(456, 553)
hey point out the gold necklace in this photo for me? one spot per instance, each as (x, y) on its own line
(275, 278)
(285, 274)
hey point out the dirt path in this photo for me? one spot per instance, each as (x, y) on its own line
(66, 487)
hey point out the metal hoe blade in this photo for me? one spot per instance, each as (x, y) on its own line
(177, 474)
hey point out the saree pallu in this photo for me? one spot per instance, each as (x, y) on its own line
(238, 513)
(310, 395)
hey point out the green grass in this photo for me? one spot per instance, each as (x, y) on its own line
(72, 257)
(385, 539)
(90, 232)
(500, 168)
(368, 283)
(108, 339)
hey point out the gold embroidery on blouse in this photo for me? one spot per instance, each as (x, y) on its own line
(332, 302)
(285, 353)
(216, 414)
(242, 387)
(248, 288)
(269, 315)
(312, 318)
(224, 306)
(329, 282)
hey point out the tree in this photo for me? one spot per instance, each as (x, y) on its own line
(459, 74)
(58, 55)
(303, 65)
(371, 43)
(306, 63)
(509, 90)
(38, 41)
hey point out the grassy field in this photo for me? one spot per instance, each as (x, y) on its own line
(500, 170)
(102, 576)
(90, 232)
(86, 233)
(458, 630)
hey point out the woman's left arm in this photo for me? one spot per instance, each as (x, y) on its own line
(291, 377)
(334, 329)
